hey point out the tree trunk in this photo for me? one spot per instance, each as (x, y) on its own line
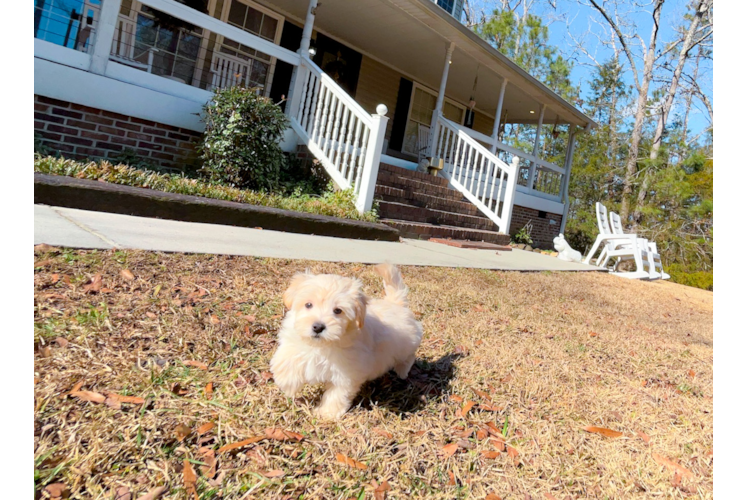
(641, 106)
(700, 10)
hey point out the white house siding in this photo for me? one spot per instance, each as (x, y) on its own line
(378, 84)
(483, 123)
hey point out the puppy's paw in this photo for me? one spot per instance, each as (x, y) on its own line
(329, 412)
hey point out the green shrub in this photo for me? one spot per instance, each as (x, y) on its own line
(241, 144)
(689, 277)
(523, 236)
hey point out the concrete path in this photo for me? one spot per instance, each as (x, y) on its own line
(83, 229)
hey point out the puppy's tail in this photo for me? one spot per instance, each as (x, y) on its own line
(394, 289)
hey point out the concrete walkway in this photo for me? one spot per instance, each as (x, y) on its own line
(68, 227)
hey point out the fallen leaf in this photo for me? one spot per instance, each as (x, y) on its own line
(450, 449)
(151, 315)
(452, 480)
(593, 334)
(214, 319)
(499, 444)
(208, 456)
(273, 473)
(209, 390)
(481, 434)
(603, 431)
(512, 452)
(466, 408)
(95, 284)
(672, 465)
(123, 493)
(178, 389)
(461, 349)
(190, 479)
(381, 490)
(549, 496)
(126, 274)
(182, 431)
(113, 403)
(154, 493)
(282, 435)
(691, 373)
(93, 397)
(205, 428)
(489, 408)
(239, 444)
(196, 364)
(482, 394)
(493, 496)
(644, 437)
(350, 462)
(381, 432)
(62, 342)
(43, 247)
(478, 342)
(493, 430)
(266, 376)
(490, 454)
(56, 491)
(45, 351)
(455, 397)
(675, 481)
(124, 399)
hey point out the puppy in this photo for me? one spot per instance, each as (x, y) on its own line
(333, 334)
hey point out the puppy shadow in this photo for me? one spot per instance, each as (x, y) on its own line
(427, 381)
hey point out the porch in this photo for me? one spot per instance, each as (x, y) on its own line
(159, 60)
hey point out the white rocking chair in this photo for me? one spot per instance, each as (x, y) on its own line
(656, 271)
(620, 247)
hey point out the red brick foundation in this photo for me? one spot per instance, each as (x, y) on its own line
(545, 226)
(81, 132)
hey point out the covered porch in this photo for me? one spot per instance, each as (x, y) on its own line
(163, 58)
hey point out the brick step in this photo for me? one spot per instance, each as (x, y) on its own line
(389, 193)
(404, 211)
(414, 185)
(413, 174)
(416, 230)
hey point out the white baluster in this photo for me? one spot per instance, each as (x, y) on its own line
(357, 151)
(348, 145)
(314, 106)
(335, 131)
(339, 166)
(362, 157)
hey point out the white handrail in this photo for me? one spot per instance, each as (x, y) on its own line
(477, 173)
(346, 139)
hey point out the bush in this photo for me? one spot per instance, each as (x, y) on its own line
(241, 145)
(524, 235)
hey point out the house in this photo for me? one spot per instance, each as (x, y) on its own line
(360, 80)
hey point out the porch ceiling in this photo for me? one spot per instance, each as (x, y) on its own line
(412, 36)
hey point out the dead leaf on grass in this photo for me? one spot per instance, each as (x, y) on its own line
(45, 351)
(380, 491)
(208, 456)
(214, 319)
(126, 274)
(56, 491)
(489, 454)
(481, 434)
(122, 493)
(205, 428)
(209, 390)
(239, 444)
(549, 496)
(124, 399)
(512, 452)
(691, 373)
(603, 431)
(644, 437)
(466, 408)
(62, 342)
(450, 449)
(461, 349)
(499, 444)
(350, 462)
(273, 473)
(382, 432)
(182, 431)
(94, 286)
(672, 465)
(282, 435)
(455, 397)
(195, 364)
(593, 334)
(190, 479)
(489, 407)
(482, 394)
(178, 389)
(154, 493)
(493, 496)
(93, 397)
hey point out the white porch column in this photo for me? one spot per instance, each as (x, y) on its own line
(103, 35)
(440, 100)
(365, 198)
(536, 149)
(497, 117)
(567, 174)
(296, 78)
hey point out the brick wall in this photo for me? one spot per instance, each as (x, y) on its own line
(544, 229)
(81, 132)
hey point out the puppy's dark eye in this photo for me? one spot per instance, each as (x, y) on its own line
(308, 305)
(337, 310)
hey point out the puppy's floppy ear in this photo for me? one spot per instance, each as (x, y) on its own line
(359, 306)
(296, 282)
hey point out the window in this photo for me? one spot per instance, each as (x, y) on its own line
(167, 50)
(256, 20)
(422, 104)
(454, 7)
(66, 22)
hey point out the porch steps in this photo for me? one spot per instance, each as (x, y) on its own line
(423, 206)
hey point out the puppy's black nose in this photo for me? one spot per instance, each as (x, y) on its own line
(318, 327)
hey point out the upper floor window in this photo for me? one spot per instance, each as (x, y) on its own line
(454, 7)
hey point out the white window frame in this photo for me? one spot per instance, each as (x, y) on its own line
(417, 85)
(224, 17)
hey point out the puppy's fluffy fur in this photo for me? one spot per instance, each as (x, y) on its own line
(334, 334)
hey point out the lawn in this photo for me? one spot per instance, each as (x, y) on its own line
(151, 371)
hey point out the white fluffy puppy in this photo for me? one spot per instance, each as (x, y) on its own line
(334, 334)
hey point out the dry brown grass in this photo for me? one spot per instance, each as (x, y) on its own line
(548, 354)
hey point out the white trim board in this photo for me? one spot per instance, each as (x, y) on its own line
(81, 87)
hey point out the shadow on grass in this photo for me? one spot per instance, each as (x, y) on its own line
(427, 381)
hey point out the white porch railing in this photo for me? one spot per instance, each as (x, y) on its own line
(477, 173)
(338, 131)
